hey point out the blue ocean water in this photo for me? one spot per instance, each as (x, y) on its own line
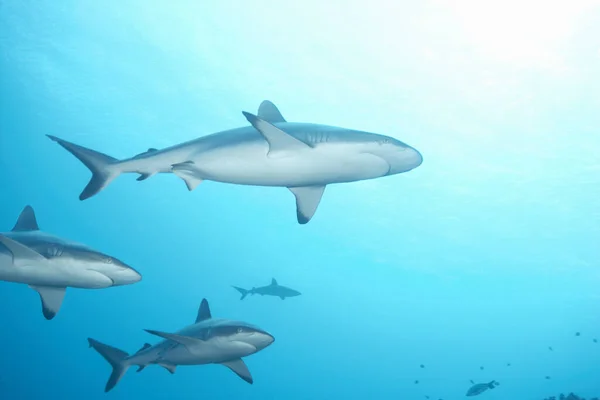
(486, 254)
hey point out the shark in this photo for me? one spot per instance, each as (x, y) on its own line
(274, 289)
(270, 152)
(207, 341)
(49, 264)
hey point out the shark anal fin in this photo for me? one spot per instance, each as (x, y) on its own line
(188, 173)
(143, 177)
(52, 298)
(240, 368)
(307, 201)
(21, 254)
(169, 367)
(280, 142)
(26, 221)
(203, 311)
(269, 112)
(190, 343)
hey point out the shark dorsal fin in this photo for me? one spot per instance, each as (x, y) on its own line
(203, 311)
(269, 112)
(26, 221)
(273, 282)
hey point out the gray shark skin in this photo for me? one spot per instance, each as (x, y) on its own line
(274, 289)
(49, 264)
(302, 157)
(207, 341)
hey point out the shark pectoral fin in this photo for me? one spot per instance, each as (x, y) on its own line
(143, 177)
(21, 254)
(307, 201)
(52, 298)
(169, 367)
(269, 112)
(26, 221)
(280, 143)
(141, 368)
(187, 172)
(189, 342)
(240, 368)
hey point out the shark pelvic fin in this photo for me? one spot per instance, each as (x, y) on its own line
(280, 142)
(26, 221)
(21, 254)
(169, 367)
(52, 298)
(187, 172)
(240, 368)
(307, 201)
(203, 311)
(189, 342)
(269, 112)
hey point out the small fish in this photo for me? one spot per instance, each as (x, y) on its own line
(577, 334)
(416, 382)
(547, 377)
(481, 368)
(550, 348)
(508, 364)
(595, 340)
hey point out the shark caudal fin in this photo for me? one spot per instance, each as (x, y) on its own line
(244, 292)
(103, 167)
(115, 357)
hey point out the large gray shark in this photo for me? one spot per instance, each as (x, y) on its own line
(49, 264)
(207, 341)
(303, 157)
(274, 289)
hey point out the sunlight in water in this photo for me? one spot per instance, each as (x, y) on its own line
(530, 33)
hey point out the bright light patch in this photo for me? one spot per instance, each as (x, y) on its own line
(528, 33)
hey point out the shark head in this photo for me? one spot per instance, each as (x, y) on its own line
(236, 332)
(114, 269)
(399, 156)
(95, 268)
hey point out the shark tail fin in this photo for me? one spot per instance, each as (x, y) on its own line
(244, 292)
(115, 357)
(103, 167)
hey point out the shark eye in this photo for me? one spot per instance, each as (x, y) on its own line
(239, 330)
(108, 260)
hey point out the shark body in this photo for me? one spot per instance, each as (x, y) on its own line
(302, 157)
(49, 264)
(207, 341)
(274, 289)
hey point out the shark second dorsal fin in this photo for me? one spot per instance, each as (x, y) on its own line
(269, 112)
(280, 143)
(26, 221)
(144, 347)
(273, 282)
(203, 311)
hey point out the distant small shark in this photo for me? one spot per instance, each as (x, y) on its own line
(207, 341)
(49, 264)
(274, 289)
(303, 157)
